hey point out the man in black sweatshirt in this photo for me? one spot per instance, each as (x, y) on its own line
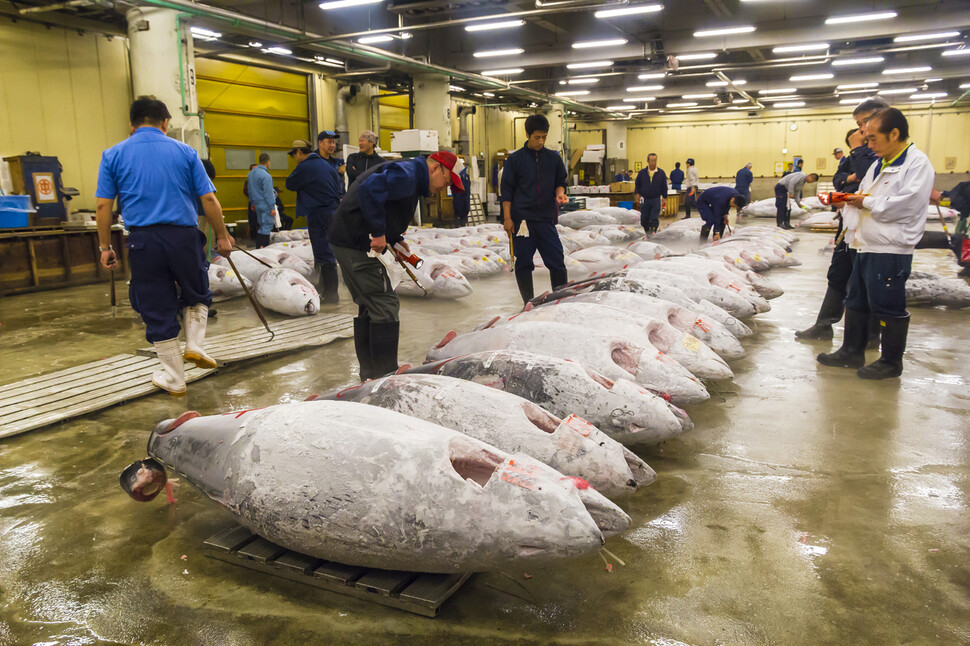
(533, 187)
(651, 194)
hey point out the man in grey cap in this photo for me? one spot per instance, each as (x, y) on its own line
(317, 188)
(357, 163)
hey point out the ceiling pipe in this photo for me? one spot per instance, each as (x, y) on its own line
(57, 6)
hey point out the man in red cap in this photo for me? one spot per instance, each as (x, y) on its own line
(375, 213)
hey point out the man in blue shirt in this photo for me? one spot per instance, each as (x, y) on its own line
(533, 187)
(263, 198)
(714, 204)
(676, 177)
(461, 201)
(327, 149)
(156, 180)
(742, 182)
(375, 213)
(317, 188)
(651, 194)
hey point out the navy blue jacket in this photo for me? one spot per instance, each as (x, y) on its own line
(714, 204)
(317, 186)
(676, 178)
(860, 159)
(529, 182)
(650, 189)
(380, 203)
(742, 182)
(842, 173)
(461, 200)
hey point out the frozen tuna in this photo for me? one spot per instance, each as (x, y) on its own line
(287, 292)
(930, 290)
(224, 283)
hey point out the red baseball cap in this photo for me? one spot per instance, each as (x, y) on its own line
(453, 163)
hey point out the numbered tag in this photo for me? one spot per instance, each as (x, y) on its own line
(521, 475)
(692, 343)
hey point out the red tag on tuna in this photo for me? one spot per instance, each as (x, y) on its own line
(521, 475)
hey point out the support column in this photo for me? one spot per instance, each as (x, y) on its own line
(556, 114)
(163, 66)
(432, 106)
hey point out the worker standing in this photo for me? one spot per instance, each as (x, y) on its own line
(461, 200)
(317, 188)
(376, 212)
(676, 177)
(790, 186)
(533, 187)
(651, 194)
(157, 180)
(713, 205)
(263, 198)
(884, 222)
(327, 149)
(742, 182)
(691, 185)
(359, 162)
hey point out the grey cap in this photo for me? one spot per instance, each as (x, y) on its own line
(748, 164)
(837, 150)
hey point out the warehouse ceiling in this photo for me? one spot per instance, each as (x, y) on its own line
(640, 58)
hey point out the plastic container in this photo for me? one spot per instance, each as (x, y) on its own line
(625, 205)
(14, 218)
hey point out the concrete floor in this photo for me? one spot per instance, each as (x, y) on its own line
(807, 506)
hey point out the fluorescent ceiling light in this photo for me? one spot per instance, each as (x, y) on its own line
(848, 101)
(855, 86)
(503, 24)
(645, 88)
(789, 104)
(331, 62)
(204, 33)
(726, 31)
(588, 65)
(628, 11)
(455, 88)
(929, 95)
(860, 17)
(682, 104)
(703, 56)
(914, 38)
(573, 93)
(783, 90)
(624, 108)
(340, 4)
(586, 81)
(507, 72)
(488, 94)
(786, 97)
(638, 99)
(933, 80)
(898, 90)
(255, 43)
(698, 96)
(736, 101)
(842, 62)
(743, 107)
(278, 50)
(651, 75)
(608, 42)
(869, 91)
(811, 47)
(812, 77)
(380, 38)
(907, 70)
(957, 52)
(965, 86)
(725, 83)
(498, 52)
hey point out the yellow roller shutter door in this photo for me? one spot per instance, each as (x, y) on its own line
(250, 110)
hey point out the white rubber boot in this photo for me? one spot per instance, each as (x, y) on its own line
(171, 377)
(196, 318)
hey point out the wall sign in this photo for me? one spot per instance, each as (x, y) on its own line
(44, 189)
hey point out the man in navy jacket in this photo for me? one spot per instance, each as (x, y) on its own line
(742, 182)
(676, 177)
(714, 204)
(651, 194)
(533, 187)
(317, 188)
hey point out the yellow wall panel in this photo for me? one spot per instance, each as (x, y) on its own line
(223, 96)
(233, 72)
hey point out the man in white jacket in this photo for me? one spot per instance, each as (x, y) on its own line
(884, 222)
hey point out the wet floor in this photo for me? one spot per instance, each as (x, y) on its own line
(806, 506)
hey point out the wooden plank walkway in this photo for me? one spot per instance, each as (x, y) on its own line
(291, 334)
(58, 396)
(416, 592)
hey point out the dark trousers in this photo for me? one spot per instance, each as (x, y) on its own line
(878, 284)
(369, 285)
(543, 238)
(169, 271)
(318, 224)
(781, 204)
(706, 229)
(261, 240)
(690, 199)
(650, 213)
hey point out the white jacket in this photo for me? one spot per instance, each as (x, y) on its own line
(691, 178)
(894, 215)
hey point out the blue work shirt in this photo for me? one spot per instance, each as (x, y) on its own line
(155, 178)
(337, 162)
(714, 204)
(263, 197)
(676, 178)
(742, 182)
(461, 200)
(317, 186)
(529, 181)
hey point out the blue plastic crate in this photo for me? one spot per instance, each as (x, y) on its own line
(17, 202)
(14, 218)
(625, 205)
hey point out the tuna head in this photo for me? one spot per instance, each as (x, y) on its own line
(449, 283)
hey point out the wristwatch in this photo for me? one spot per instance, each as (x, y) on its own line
(108, 248)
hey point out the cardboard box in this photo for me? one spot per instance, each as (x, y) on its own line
(425, 141)
(622, 187)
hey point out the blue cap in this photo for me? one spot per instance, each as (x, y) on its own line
(327, 134)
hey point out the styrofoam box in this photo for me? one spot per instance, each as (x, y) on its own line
(597, 202)
(592, 157)
(414, 140)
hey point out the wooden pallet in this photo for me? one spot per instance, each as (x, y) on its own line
(422, 594)
(48, 399)
(291, 334)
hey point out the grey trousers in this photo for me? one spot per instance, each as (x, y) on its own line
(369, 285)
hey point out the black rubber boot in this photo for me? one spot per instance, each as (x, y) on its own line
(830, 312)
(524, 281)
(787, 223)
(362, 347)
(383, 346)
(852, 354)
(329, 283)
(890, 364)
(875, 332)
(557, 277)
